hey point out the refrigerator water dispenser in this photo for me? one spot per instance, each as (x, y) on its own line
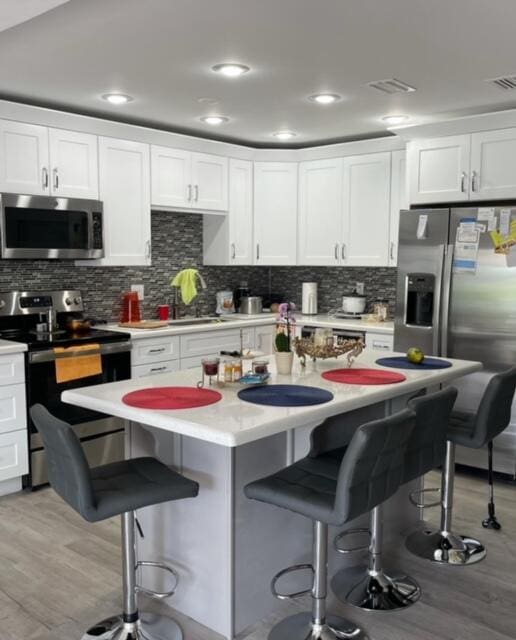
(420, 299)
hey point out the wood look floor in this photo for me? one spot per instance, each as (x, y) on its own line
(59, 574)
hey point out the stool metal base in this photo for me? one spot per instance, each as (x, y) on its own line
(375, 591)
(150, 627)
(445, 548)
(301, 627)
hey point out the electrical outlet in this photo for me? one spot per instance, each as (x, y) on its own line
(139, 288)
(360, 288)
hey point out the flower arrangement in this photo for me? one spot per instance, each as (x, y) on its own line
(285, 327)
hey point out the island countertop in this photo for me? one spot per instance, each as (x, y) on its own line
(232, 422)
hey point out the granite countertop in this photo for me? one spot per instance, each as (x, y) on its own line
(10, 346)
(232, 422)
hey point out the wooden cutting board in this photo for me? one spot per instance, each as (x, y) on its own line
(144, 324)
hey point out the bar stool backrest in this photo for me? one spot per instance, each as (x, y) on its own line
(494, 411)
(335, 432)
(372, 467)
(68, 470)
(426, 448)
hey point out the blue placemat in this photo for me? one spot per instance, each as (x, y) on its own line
(400, 362)
(285, 395)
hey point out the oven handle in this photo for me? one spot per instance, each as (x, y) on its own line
(105, 349)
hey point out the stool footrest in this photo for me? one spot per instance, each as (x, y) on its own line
(350, 532)
(283, 572)
(158, 595)
(414, 498)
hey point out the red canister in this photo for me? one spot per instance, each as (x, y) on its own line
(131, 311)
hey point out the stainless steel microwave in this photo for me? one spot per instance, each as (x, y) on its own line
(50, 228)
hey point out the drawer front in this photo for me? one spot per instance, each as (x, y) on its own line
(14, 460)
(12, 369)
(379, 342)
(142, 370)
(155, 350)
(12, 408)
(212, 342)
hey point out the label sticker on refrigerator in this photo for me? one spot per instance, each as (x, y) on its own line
(505, 221)
(467, 231)
(465, 257)
(422, 226)
(487, 214)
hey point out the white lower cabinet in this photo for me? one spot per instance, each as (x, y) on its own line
(142, 370)
(213, 342)
(379, 341)
(12, 408)
(152, 350)
(14, 458)
(264, 338)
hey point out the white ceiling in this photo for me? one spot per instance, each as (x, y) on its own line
(13, 12)
(161, 51)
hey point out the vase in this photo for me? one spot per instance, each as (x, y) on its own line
(284, 362)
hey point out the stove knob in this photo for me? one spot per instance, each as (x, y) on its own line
(77, 300)
(68, 301)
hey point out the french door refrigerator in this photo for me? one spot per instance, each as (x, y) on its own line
(456, 297)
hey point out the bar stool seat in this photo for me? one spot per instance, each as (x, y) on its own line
(110, 490)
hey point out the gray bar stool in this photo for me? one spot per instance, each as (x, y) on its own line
(371, 587)
(473, 430)
(332, 488)
(106, 491)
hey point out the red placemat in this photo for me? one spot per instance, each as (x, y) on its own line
(363, 376)
(171, 398)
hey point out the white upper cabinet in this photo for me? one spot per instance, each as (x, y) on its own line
(367, 186)
(275, 213)
(439, 169)
(399, 200)
(229, 239)
(210, 182)
(493, 164)
(74, 164)
(24, 159)
(320, 212)
(186, 180)
(39, 161)
(171, 177)
(125, 191)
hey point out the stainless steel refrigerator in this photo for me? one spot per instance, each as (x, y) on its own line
(456, 297)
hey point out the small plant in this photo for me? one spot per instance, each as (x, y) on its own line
(286, 320)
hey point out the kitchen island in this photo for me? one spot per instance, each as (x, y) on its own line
(227, 548)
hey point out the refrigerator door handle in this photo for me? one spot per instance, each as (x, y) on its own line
(445, 295)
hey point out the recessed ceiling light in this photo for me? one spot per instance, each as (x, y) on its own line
(284, 135)
(325, 98)
(211, 101)
(230, 69)
(117, 98)
(394, 119)
(214, 120)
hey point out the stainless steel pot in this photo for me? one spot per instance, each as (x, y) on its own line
(353, 303)
(251, 305)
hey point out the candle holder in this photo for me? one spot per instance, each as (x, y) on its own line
(210, 370)
(260, 366)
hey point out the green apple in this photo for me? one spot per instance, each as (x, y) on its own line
(415, 355)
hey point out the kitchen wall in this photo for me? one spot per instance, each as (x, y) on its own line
(176, 244)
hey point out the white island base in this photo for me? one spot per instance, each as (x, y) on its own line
(226, 547)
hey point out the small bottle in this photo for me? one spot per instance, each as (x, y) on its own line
(237, 370)
(228, 371)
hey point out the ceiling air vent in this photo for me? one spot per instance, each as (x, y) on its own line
(507, 83)
(391, 85)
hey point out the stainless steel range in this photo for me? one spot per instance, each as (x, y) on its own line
(39, 319)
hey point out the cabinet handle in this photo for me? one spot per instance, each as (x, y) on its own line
(473, 181)
(463, 182)
(189, 196)
(148, 249)
(157, 350)
(196, 192)
(233, 251)
(44, 177)
(56, 178)
(156, 369)
(343, 251)
(391, 252)
(257, 251)
(336, 252)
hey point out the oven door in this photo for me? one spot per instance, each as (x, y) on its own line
(101, 436)
(51, 228)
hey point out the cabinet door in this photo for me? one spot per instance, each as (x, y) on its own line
(399, 200)
(74, 164)
(264, 337)
(275, 213)
(14, 458)
(125, 191)
(210, 182)
(241, 212)
(367, 184)
(24, 158)
(493, 167)
(320, 212)
(171, 177)
(438, 169)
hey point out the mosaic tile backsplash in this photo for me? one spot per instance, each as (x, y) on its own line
(177, 244)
